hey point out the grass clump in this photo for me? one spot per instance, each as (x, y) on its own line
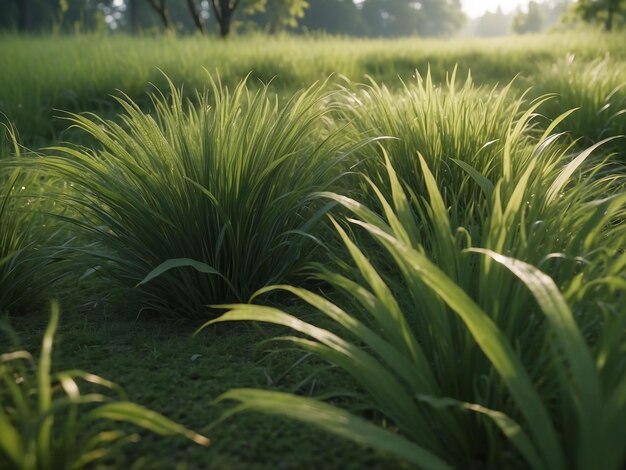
(200, 204)
(454, 127)
(26, 239)
(471, 365)
(46, 423)
(597, 90)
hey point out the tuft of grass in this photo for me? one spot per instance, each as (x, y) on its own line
(470, 364)
(456, 127)
(597, 90)
(27, 249)
(202, 204)
(46, 422)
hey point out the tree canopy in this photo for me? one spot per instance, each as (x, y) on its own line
(411, 17)
(608, 12)
(390, 18)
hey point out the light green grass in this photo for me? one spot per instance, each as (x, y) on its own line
(78, 73)
(203, 204)
(503, 370)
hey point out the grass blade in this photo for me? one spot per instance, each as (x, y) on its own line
(333, 420)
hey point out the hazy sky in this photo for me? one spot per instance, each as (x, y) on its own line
(476, 8)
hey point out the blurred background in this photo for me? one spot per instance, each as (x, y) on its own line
(361, 18)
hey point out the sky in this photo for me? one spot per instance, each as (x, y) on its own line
(475, 8)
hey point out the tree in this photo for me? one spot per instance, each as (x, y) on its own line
(160, 7)
(285, 13)
(134, 15)
(493, 24)
(223, 11)
(24, 15)
(334, 17)
(274, 14)
(198, 20)
(606, 11)
(44, 15)
(411, 17)
(529, 22)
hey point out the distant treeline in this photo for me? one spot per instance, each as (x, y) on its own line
(375, 18)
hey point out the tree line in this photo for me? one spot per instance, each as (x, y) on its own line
(379, 18)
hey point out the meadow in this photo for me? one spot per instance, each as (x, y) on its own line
(316, 252)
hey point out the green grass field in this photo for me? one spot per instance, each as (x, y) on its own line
(317, 252)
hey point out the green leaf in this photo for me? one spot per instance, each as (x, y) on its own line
(568, 171)
(11, 444)
(485, 183)
(509, 427)
(570, 340)
(489, 338)
(145, 418)
(183, 263)
(333, 420)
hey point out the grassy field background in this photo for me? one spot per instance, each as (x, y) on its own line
(448, 166)
(44, 76)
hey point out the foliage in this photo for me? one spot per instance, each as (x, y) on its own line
(281, 13)
(460, 347)
(285, 14)
(450, 126)
(27, 251)
(386, 17)
(484, 187)
(493, 24)
(608, 12)
(334, 17)
(597, 91)
(528, 22)
(550, 16)
(228, 185)
(401, 18)
(46, 422)
(38, 81)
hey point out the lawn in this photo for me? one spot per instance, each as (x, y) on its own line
(410, 264)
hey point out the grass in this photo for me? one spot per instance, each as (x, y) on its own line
(80, 73)
(451, 126)
(101, 333)
(465, 304)
(29, 243)
(596, 90)
(47, 423)
(428, 349)
(202, 205)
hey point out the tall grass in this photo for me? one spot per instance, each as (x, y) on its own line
(453, 127)
(470, 364)
(26, 239)
(597, 90)
(199, 204)
(42, 75)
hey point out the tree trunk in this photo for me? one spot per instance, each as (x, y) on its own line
(163, 13)
(608, 24)
(195, 13)
(223, 10)
(24, 15)
(134, 16)
(165, 16)
(225, 23)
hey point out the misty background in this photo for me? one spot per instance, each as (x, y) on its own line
(359, 18)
